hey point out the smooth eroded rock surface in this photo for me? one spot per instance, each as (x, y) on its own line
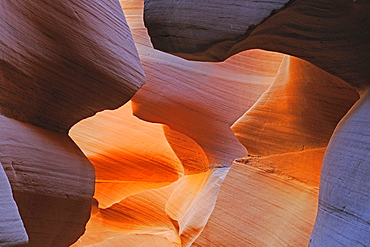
(298, 112)
(334, 36)
(60, 62)
(197, 99)
(193, 26)
(256, 207)
(12, 231)
(157, 182)
(129, 155)
(172, 215)
(194, 101)
(344, 203)
(201, 100)
(52, 182)
(63, 61)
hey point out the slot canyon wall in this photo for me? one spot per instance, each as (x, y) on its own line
(256, 133)
(61, 62)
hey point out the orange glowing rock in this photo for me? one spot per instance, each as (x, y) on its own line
(170, 181)
(109, 192)
(302, 166)
(129, 155)
(60, 62)
(201, 100)
(192, 201)
(298, 112)
(198, 99)
(192, 156)
(268, 200)
(123, 147)
(193, 101)
(293, 120)
(172, 215)
(256, 207)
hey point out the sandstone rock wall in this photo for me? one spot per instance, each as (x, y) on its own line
(344, 201)
(11, 226)
(169, 180)
(298, 112)
(64, 61)
(61, 61)
(332, 36)
(133, 159)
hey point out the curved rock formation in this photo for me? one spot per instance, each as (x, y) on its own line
(129, 155)
(12, 232)
(202, 100)
(258, 206)
(289, 126)
(344, 203)
(64, 61)
(168, 216)
(331, 35)
(298, 112)
(157, 183)
(209, 22)
(60, 62)
(52, 182)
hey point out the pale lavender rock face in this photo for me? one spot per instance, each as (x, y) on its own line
(12, 231)
(344, 202)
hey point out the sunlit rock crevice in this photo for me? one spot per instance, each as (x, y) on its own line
(261, 140)
(295, 118)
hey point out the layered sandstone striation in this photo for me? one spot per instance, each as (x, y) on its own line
(344, 201)
(129, 155)
(258, 205)
(331, 35)
(64, 61)
(195, 26)
(169, 180)
(298, 112)
(167, 216)
(286, 132)
(148, 200)
(52, 182)
(60, 63)
(294, 118)
(12, 231)
(199, 100)
(158, 182)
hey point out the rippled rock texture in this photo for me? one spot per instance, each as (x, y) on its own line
(11, 226)
(344, 208)
(294, 118)
(331, 35)
(158, 168)
(64, 61)
(157, 181)
(61, 61)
